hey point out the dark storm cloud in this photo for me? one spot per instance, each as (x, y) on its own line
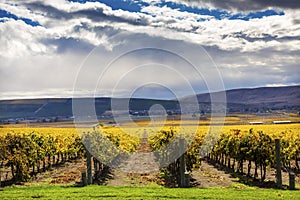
(264, 37)
(296, 21)
(98, 15)
(250, 5)
(95, 14)
(50, 11)
(99, 30)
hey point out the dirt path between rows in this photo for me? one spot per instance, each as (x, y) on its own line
(209, 176)
(139, 169)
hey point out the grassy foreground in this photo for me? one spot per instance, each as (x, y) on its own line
(107, 192)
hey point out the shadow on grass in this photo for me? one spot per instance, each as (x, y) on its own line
(8, 183)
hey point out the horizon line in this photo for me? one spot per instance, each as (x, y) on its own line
(149, 98)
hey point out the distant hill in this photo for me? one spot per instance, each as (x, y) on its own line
(287, 97)
(238, 100)
(278, 96)
(52, 107)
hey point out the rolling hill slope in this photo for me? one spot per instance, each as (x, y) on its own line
(238, 100)
(275, 96)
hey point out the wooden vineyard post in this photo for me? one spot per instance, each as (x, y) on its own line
(89, 167)
(291, 181)
(278, 164)
(184, 182)
(83, 178)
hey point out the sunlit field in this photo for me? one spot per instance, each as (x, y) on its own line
(29, 147)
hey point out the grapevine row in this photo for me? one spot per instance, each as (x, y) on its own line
(232, 149)
(258, 148)
(24, 153)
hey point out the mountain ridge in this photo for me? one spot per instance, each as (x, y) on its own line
(257, 95)
(238, 100)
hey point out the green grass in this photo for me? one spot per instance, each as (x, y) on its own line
(107, 192)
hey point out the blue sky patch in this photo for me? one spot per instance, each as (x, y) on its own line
(5, 14)
(201, 11)
(255, 15)
(127, 5)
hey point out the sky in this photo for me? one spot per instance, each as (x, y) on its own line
(146, 48)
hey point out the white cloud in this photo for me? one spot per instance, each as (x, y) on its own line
(173, 14)
(269, 45)
(209, 32)
(19, 39)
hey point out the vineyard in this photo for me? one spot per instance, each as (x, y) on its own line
(236, 147)
(28, 151)
(247, 149)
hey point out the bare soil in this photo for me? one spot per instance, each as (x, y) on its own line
(139, 169)
(209, 176)
(66, 173)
